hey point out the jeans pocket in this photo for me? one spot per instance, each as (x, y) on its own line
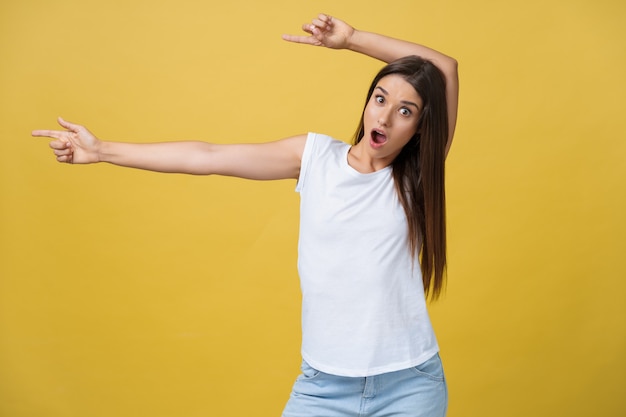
(432, 369)
(308, 372)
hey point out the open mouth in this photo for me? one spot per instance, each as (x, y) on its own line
(378, 137)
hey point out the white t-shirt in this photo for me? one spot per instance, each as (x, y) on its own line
(363, 306)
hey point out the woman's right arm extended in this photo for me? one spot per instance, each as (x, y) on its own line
(260, 161)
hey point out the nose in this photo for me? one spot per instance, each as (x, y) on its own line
(384, 117)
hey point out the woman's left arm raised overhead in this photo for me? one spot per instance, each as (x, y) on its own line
(334, 33)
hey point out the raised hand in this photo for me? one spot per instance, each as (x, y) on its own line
(325, 31)
(75, 145)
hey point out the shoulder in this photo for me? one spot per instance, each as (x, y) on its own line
(321, 154)
(319, 142)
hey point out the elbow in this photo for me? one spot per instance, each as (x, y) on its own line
(448, 66)
(451, 68)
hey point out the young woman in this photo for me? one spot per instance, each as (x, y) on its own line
(372, 235)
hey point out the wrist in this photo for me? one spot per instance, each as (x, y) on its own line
(102, 151)
(352, 41)
(357, 41)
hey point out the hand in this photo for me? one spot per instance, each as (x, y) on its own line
(325, 31)
(76, 145)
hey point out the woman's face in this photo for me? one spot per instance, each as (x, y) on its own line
(390, 117)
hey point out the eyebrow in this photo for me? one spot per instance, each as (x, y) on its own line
(409, 103)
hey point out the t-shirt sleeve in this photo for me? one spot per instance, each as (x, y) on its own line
(307, 155)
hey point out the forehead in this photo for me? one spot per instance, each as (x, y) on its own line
(398, 88)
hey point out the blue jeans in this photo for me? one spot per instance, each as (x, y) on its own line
(415, 392)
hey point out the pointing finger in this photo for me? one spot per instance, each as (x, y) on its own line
(301, 39)
(56, 134)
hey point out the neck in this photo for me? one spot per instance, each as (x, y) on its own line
(363, 161)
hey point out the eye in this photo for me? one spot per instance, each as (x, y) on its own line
(379, 99)
(405, 112)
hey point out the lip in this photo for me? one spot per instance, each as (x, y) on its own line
(378, 138)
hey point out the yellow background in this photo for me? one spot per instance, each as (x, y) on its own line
(128, 293)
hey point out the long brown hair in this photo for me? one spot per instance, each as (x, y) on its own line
(418, 170)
